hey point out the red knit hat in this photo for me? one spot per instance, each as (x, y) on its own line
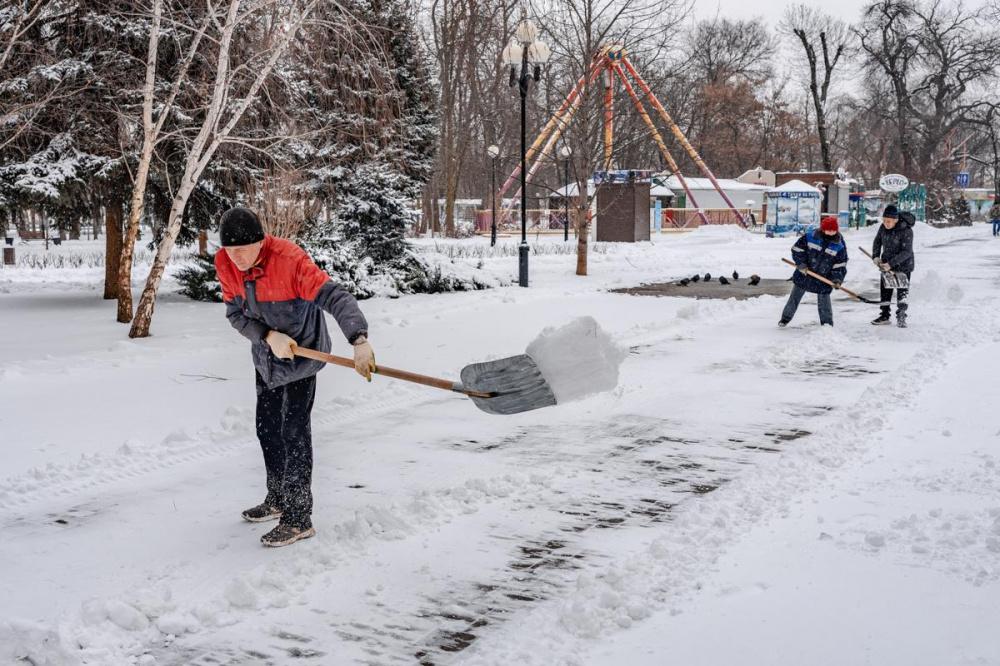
(829, 223)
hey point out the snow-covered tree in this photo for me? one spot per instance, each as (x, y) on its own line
(957, 212)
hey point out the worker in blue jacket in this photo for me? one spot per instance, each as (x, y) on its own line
(824, 252)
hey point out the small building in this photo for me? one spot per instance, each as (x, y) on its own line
(758, 176)
(708, 197)
(622, 212)
(793, 208)
(746, 197)
(825, 182)
(657, 192)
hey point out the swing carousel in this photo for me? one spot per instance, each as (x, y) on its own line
(612, 65)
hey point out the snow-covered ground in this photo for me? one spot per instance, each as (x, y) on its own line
(744, 495)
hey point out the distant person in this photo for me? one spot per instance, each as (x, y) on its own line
(995, 218)
(824, 252)
(892, 252)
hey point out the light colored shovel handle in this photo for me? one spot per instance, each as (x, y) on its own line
(404, 375)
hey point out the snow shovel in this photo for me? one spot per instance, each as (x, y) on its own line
(891, 279)
(505, 386)
(822, 279)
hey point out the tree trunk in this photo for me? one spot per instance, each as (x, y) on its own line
(112, 247)
(582, 232)
(131, 233)
(435, 216)
(147, 302)
(425, 203)
(451, 193)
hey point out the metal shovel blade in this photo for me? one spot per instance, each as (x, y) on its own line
(517, 382)
(894, 280)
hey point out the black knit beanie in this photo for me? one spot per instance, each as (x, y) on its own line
(240, 226)
(891, 211)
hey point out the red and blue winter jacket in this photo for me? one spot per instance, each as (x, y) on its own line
(822, 254)
(285, 291)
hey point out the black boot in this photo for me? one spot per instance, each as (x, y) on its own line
(881, 320)
(267, 510)
(286, 534)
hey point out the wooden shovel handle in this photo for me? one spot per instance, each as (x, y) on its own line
(390, 372)
(881, 264)
(825, 281)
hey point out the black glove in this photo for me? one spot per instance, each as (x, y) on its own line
(802, 268)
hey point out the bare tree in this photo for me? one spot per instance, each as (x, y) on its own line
(459, 28)
(985, 118)
(721, 49)
(937, 60)
(577, 30)
(814, 28)
(231, 92)
(284, 204)
(887, 36)
(959, 56)
(152, 133)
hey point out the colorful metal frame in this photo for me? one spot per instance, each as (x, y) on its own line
(609, 63)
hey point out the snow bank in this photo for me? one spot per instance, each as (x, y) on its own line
(932, 288)
(578, 359)
(30, 643)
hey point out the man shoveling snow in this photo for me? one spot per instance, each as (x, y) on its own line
(275, 297)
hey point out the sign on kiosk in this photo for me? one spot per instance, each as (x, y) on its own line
(893, 182)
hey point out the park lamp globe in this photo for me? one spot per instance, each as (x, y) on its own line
(512, 54)
(493, 151)
(526, 32)
(565, 152)
(526, 47)
(538, 54)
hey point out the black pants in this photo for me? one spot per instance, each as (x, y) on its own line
(886, 300)
(285, 434)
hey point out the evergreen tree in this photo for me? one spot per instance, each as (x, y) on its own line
(957, 212)
(200, 281)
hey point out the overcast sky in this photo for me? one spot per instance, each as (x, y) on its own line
(848, 10)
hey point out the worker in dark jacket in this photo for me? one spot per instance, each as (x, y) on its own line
(275, 296)
(892, 251)
(995, 218)
(824, 252)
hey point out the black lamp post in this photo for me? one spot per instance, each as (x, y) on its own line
(493, 151)
(525, 50)
(566, 151)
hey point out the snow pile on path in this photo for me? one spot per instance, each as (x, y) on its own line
(932, 288)
(30, 643)
(578, 359)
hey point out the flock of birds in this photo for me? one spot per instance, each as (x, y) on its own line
(754, 279)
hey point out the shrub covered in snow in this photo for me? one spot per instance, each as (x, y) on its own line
(365, 250)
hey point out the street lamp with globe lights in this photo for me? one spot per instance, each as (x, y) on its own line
(493, 151)
(524, 51)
